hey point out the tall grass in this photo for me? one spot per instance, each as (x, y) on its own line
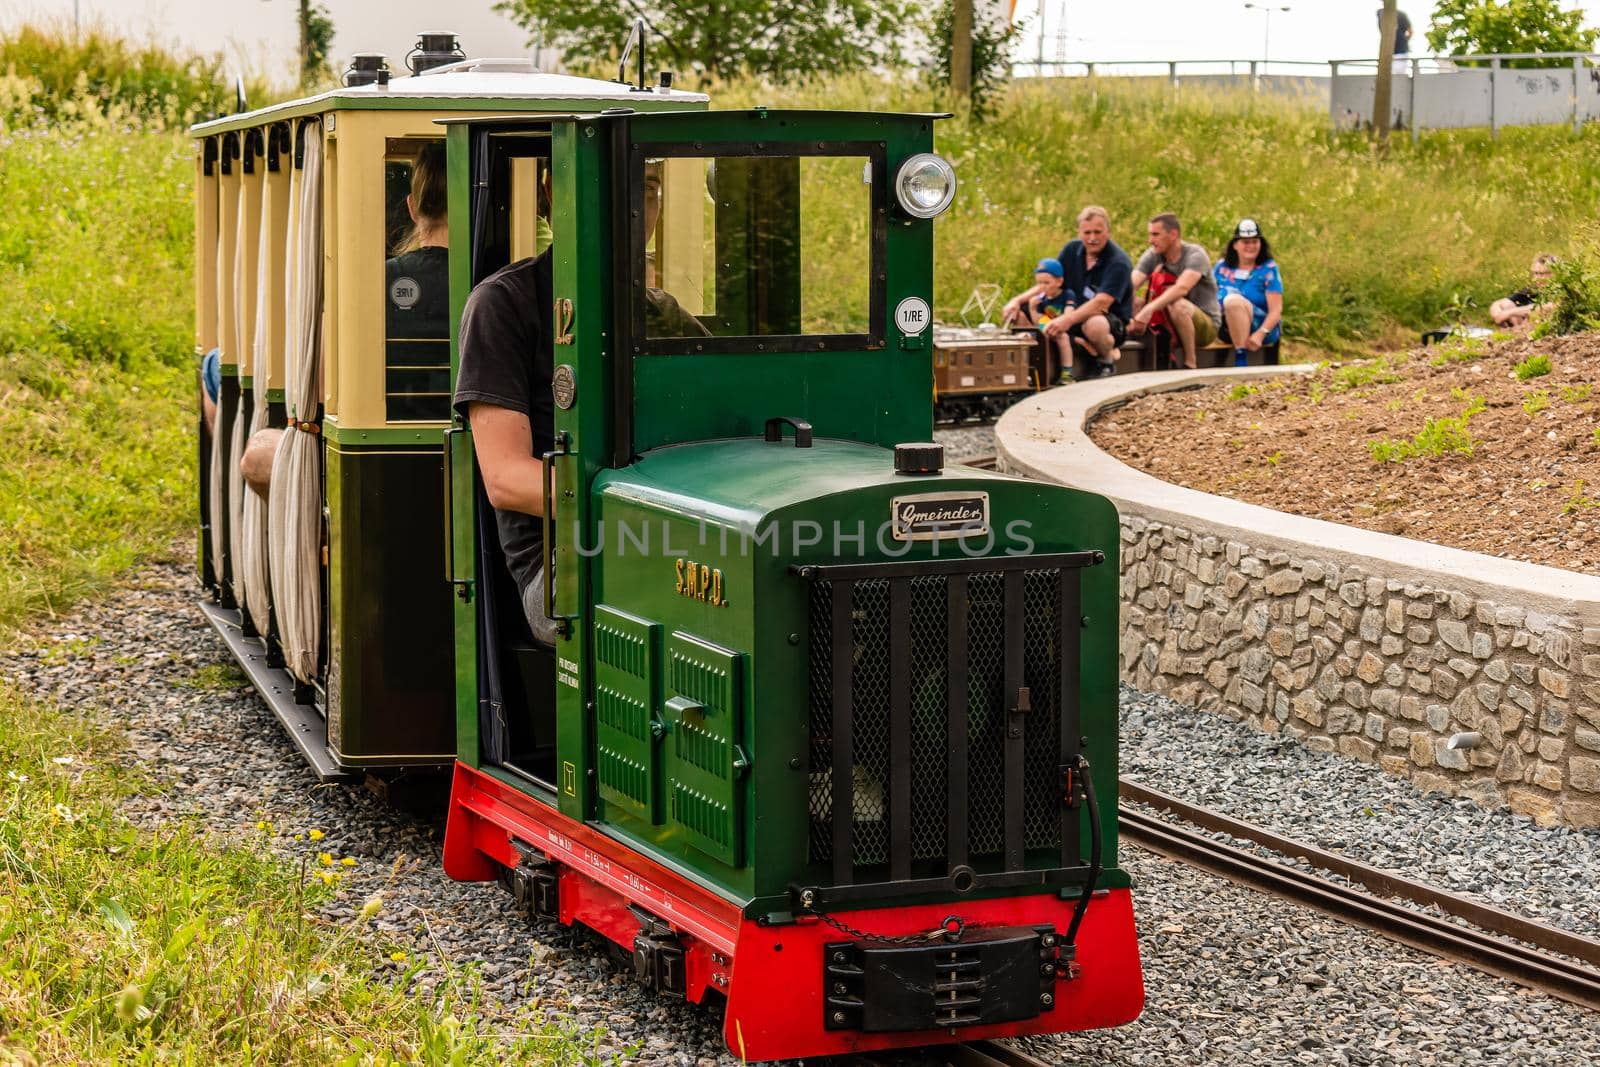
(60, 73)
(1369, 246)
(96, 354)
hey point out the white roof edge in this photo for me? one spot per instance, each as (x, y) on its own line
(464, 85)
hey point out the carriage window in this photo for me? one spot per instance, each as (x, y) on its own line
(742, 246)
(416, 282)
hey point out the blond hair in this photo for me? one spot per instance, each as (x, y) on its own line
(1095, 211)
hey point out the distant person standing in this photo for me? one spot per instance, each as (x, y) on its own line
(1402, 40)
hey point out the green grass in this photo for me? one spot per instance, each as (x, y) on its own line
(124, 946)
(1536, 401)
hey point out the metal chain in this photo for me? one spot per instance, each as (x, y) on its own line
(945, 930)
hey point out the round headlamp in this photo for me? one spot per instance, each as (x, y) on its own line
(925, 185)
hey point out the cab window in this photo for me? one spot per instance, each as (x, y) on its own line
(734, 247)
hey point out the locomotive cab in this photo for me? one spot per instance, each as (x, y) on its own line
(813, 690)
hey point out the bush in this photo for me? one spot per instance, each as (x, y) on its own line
(66, 73)
(1574, 288)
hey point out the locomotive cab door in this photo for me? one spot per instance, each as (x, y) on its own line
(506, 678)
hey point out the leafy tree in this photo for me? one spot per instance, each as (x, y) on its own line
(1464, 27)
(316, 36)
(723, 38)
(992, 44)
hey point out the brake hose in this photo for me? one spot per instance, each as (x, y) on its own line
(1094, 856)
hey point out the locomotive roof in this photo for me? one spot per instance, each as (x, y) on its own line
(473, 85)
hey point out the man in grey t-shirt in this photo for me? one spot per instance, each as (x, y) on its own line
(1189, 293)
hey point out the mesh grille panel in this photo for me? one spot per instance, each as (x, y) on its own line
(928, 645)
(1041, 670)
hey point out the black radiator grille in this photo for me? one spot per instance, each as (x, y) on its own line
(967, 792)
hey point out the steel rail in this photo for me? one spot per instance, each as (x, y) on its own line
(1377, 879)
(1487, 952)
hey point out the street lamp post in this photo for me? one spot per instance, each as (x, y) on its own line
(1266, 39)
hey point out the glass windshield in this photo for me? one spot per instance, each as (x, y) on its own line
(757, 246)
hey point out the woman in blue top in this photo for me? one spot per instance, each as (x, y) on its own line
(1251, 291)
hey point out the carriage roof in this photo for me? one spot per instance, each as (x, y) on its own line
(506, 84)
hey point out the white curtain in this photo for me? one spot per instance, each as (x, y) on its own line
(239, 343)
(295, 505)
(253, 552)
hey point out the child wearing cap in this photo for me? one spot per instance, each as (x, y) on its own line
(1037, 306)
(1251, 290)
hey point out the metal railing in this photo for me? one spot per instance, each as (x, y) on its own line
(1481, 89)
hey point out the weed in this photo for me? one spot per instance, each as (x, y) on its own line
(1577, 501)
(1239, 392)
(1317, 392)
(1458, 350)
(1367, 372)
(214, 678)
(1533, 367)
(1576, 394)
(1441, 436)
(1458, 393)
(1536, 401)
(1274, 459)
(1596, 436)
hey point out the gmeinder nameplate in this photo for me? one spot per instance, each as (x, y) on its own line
(936, 516)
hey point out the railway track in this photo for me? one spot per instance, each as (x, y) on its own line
(1537, 958)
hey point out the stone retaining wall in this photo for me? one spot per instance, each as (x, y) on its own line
(1379, 647)
(1375, 668)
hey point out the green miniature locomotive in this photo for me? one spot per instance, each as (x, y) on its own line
(823, 724)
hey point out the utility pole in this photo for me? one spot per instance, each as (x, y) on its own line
(961, 50)
(1382, 93)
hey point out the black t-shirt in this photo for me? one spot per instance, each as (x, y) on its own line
(1402, 31)
(1523, 298)
(507, 359)
(1112, 273)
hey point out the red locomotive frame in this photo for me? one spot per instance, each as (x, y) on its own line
(772, 975)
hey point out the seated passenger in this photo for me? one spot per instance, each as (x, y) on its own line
(1251, 288)
(1515, 311)
(1099, 294)
(417, 278)
(210, 387)
(507, 348)
(1047, 299)
(1191, 301)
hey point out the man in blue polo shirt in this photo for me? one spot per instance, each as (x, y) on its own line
(1098, 281)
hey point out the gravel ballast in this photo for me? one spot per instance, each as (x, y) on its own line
(1231, 974)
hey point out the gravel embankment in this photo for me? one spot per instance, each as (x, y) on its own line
(1231, 974)
(966, 442)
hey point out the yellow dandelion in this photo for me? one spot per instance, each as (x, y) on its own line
(397, 956)
(317, 835)
(263, 825)
(328, 877)
(347, 862)
(324, 858)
